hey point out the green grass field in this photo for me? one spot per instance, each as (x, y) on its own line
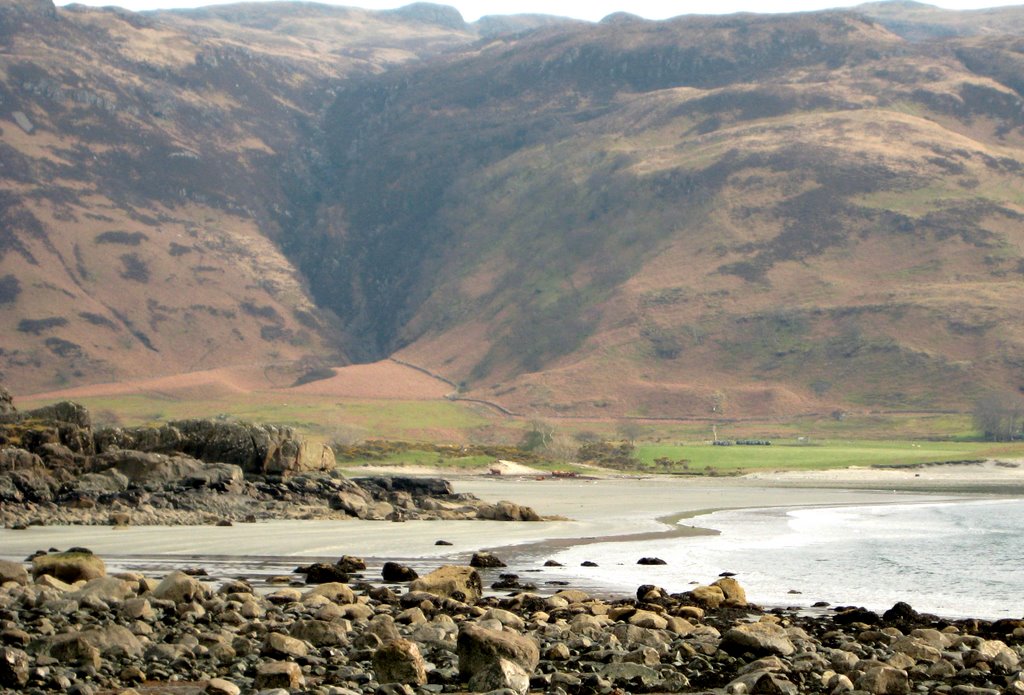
(823, 454)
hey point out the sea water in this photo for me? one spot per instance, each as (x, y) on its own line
(953, 559)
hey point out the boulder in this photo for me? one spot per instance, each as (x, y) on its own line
(219, 686)
(107, 589)
(351, 503)
(479, 648)
(284, 646)
(501, 675)
(651, 561)
(333, 591)
(70, 566)
(884, 680)
(508, 511)
(394, 572)
(485, 560)
(759, 681)
(648, 619)
(731, 589)
(72, 648)
(762, 638)
(708, 596)
(114, 641)
(180, 588)
(323, 573)
(351, 563)
(13, 572)
(399, 661)
(451, 581)
(278, 674)
(320, 633)
(14, 663)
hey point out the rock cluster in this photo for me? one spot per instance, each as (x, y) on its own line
(56, 469)
(111, 633)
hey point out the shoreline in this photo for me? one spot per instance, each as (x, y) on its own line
(600, 511)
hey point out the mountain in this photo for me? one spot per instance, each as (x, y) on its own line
(704, 216)
(143, 179)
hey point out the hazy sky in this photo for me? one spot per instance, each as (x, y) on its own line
(582, 9)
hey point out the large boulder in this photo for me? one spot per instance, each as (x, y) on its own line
(106, 589)
(480, 648)
(884, 680)
(399, 661)
(70, 566)
(761, 638)
(13, 572)
(14, 665)
(508, 511)
(731, 589)
(114, 641)
(180, 588)
(451, 581)
(278, 674)
(501, 674)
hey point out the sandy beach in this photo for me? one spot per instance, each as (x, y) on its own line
(594, 508)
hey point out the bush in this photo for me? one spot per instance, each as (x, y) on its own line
(126, 238)
(999, 416)
(609, 455)
(10, 288)
(134, 268)
(37, 326)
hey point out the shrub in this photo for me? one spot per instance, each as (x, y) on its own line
(10, 288)
(134, 268)
(125, 238)
(37, 326)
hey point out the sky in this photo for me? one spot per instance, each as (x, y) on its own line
(592, 10)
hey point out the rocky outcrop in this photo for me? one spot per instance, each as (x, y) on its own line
(54, 469)
(256, 449)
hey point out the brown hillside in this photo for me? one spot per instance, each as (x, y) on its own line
(144, 173)
(707, 216)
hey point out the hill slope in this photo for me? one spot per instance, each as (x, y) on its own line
(707, 215)
(143, 174)
(757, 215)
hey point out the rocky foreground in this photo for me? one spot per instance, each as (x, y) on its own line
(66, 625)
(55, 468)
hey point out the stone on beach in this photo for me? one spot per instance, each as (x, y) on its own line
(279, 674)
(180, 588)
(479, 647)
(451, 581)
(395, 572)
(760, 638)
(13, 572)
(399, 661)
(69, 566)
